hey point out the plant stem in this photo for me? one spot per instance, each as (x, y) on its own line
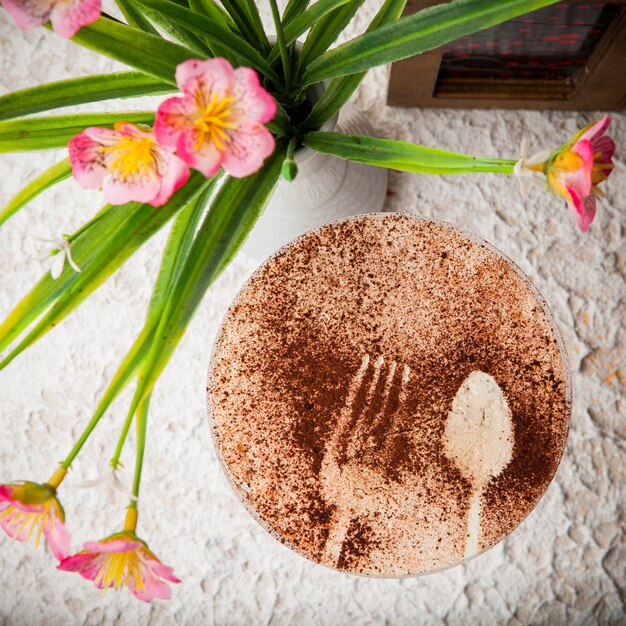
(142, 425)
(282, 46)
(115, 460)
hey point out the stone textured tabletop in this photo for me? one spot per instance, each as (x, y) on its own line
(564, 565)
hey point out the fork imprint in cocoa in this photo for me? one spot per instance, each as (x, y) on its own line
(376, 392)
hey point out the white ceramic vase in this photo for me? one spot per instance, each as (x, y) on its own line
(325, 189)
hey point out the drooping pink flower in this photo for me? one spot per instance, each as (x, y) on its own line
(26, 506)
(219, 119)
(576, 169)
(122, 560)
(67, 16)
(127, 163)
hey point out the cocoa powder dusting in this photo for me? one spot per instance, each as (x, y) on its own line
(333, 377)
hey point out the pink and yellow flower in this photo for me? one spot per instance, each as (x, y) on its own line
(122, 560)
(127, 163)
(67, 16)
(219, 119)
(26, 506)
(576, 169)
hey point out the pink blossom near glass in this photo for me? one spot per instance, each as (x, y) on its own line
(218, 121)
(122, 560)
(26, 506)
(67, 16)
(578, 167)
(127, 163)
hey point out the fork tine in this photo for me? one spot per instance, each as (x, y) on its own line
(360, 423)
(354, 389)
(386, 398)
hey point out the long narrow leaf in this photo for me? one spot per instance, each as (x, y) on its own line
(201, 24)
(304, 21)
(293, 9)
(234, 211)
(130, 236)
(215, 14)
(58, 172)
(401, 155)
(86, 242)
(79, 91)
(178, 33)
(340, 90)
(149, 53)
(413, 34)
(43, 133)
(136, 18)
(174, 254)
(249, 26)
(324, 33)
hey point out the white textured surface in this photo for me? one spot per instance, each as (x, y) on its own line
(564, 565)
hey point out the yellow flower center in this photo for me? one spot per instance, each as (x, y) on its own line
(21, 520)
(567, 161)
(132, 155)
(213, 122)
(120, 568)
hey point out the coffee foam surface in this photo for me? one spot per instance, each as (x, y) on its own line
(388, 395)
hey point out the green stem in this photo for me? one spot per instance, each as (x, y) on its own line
(142, 424)
(282, 46)
(115, 460)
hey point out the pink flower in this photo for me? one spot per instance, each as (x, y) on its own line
(576, 169)
(122, 559)
(25, 505)
(67, 16)
(219, 119)
(127, 163)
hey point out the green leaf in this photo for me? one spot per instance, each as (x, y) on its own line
(401, 155)
(179, 34)
(58, 172)
(215, 14)
(413, 34)
(234, 211)
(135, 18)
(149, 53)
(246, 16)
(108, 256)
(175, 252)
(201, 24)
(78, 91)
(325, 32)
(293, 9)
(43, 133)
(99, 231)
(304, 21)
(340, 90)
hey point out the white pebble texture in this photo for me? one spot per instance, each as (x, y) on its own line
(564, 565)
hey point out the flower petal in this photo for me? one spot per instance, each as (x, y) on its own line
(29, 14)
(251, 100)
(137, 187)
(594, 130)
(204, 78)
(249, 146)
(582, 209)
(69, 16)
(57, 265)
(153, 588)
(173, 117)
(57, 536)
(173, 174)
(112, 545)
(87, 159)
(206, 159)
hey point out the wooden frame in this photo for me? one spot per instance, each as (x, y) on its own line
(600, 84)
